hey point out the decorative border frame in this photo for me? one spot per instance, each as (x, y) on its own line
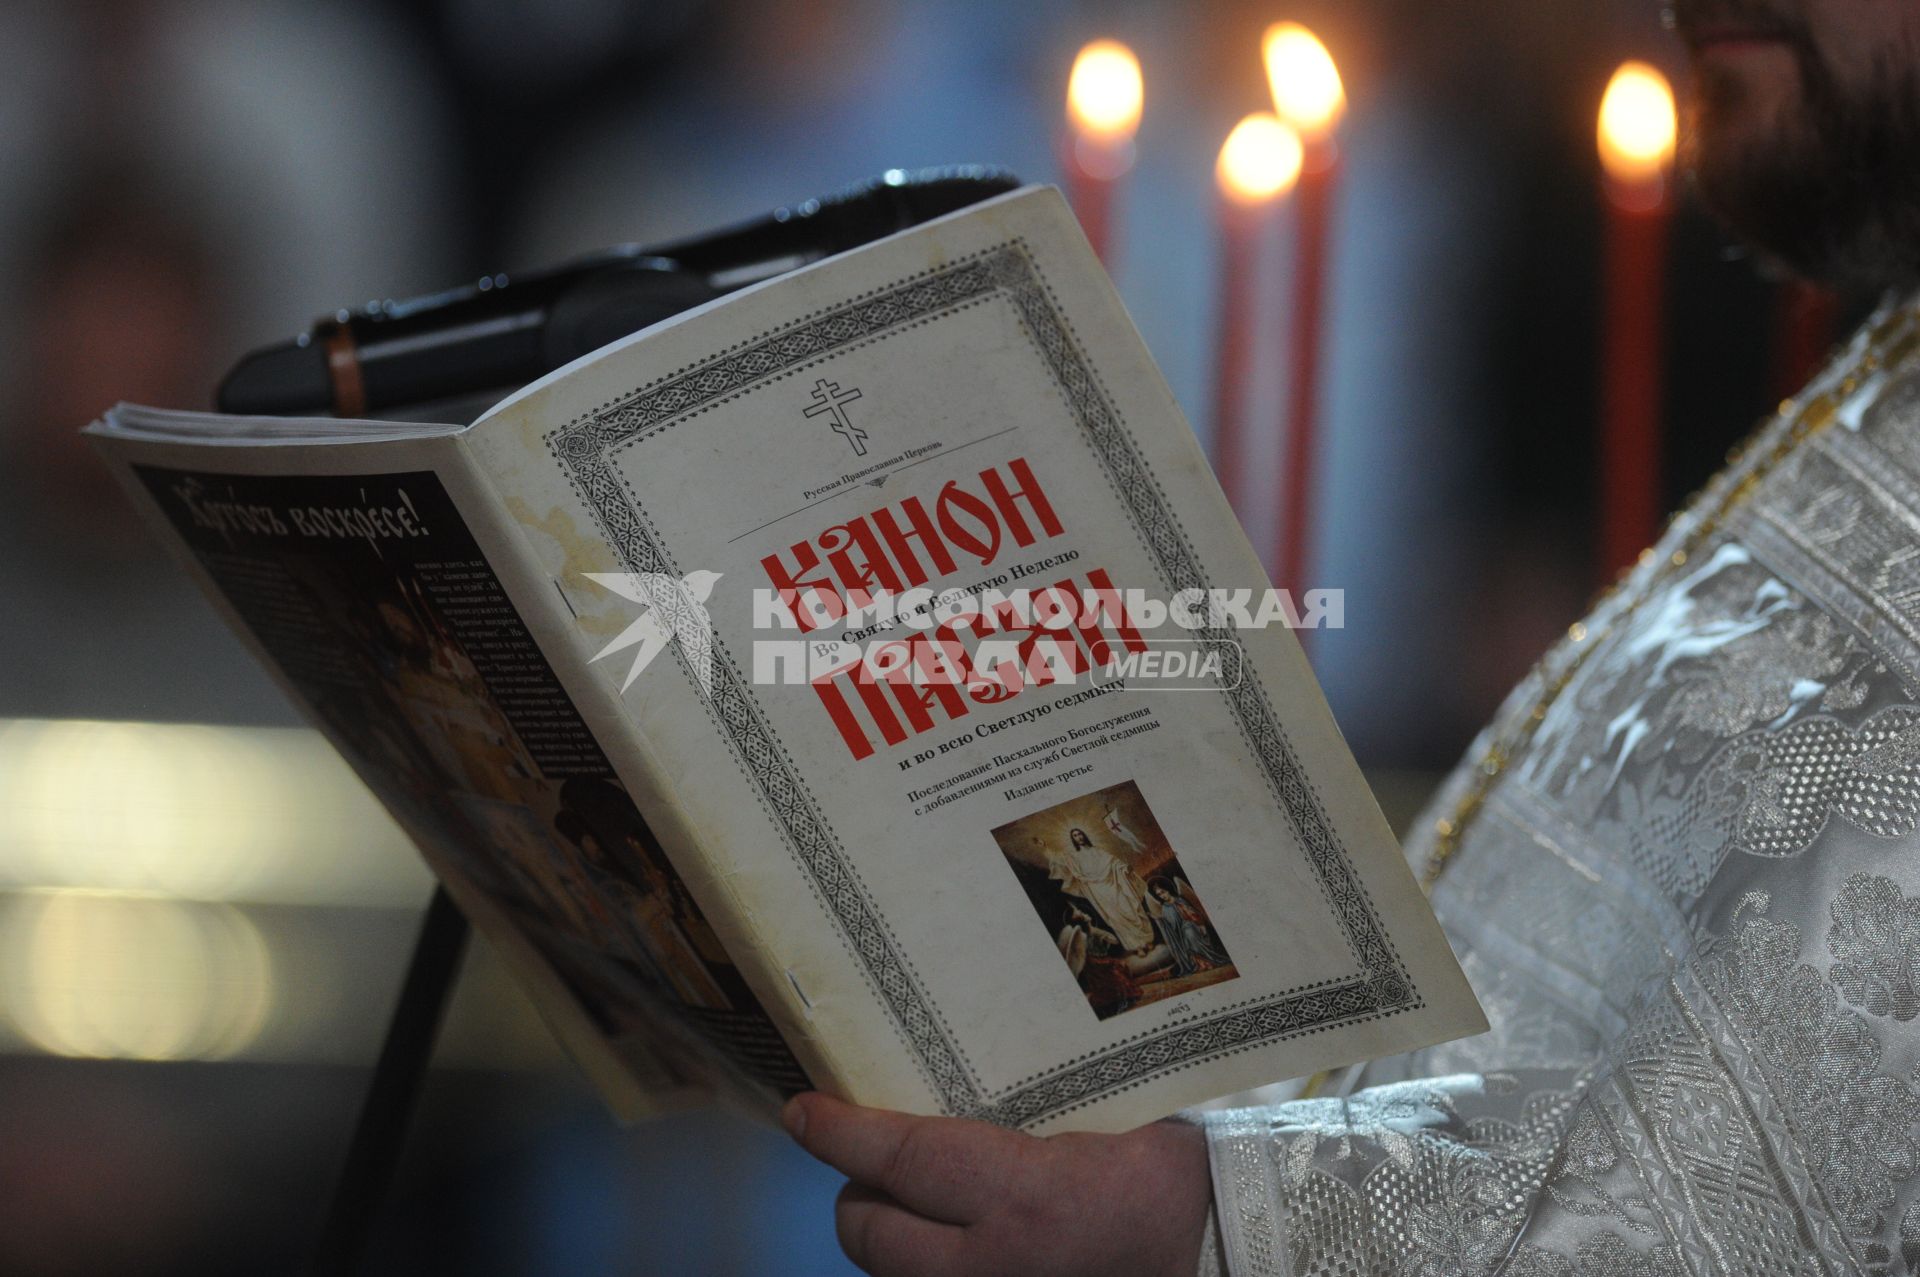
(583, 448)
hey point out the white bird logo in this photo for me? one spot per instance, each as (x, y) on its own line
(675, 609)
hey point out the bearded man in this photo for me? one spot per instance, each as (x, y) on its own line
(1681, 866)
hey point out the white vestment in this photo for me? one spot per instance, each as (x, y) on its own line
(1110, 885)
(1689, 899)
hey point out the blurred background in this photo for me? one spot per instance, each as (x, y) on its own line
(203, 919)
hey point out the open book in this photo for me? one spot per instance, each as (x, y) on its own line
(859, 682)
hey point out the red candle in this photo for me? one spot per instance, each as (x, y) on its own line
(1259, 163)
(1307, 94)
(1637, 128)
(1104, 98)
(1803, 334)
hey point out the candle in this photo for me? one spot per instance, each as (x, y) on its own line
(1804, 319)
(1636, 135)
(1259, 163)
(1104, 98)
(1308, 95)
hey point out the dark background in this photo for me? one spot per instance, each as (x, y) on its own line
(201, 928)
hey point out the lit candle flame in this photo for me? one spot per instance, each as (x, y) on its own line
(1260, 160)
(1638, 126)
(1105, 93)
(1306, 87)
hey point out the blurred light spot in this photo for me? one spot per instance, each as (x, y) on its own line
(1306, 87)
(1105, 93)
(103, 976)
(1638, 125)
(203, 812)
(1260, 160)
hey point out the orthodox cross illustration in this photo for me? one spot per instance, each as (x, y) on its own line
(829, 398)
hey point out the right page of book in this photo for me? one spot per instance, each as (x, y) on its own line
(947, 658)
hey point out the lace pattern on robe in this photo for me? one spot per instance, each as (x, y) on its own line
(1692, 910)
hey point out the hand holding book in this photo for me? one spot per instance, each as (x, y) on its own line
(946, 1197)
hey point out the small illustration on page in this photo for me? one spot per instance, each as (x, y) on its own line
(1114, 897)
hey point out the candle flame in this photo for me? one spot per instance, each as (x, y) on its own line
(1105, 93)
(1260, 160)
(1638, 126)
(1306, 87)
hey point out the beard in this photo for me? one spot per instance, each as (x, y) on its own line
(1831, 190)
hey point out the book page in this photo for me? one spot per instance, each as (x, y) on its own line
(376, 582)
(881, 559)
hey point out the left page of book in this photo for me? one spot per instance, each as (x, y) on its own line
(374, 582)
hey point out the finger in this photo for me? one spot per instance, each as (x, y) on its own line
(942, 1167)
(884, 1238)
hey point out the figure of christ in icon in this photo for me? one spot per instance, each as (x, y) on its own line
(1109, 884)
(1118, 905)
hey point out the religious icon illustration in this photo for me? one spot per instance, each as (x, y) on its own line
(831, 402)
(1122, 911)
